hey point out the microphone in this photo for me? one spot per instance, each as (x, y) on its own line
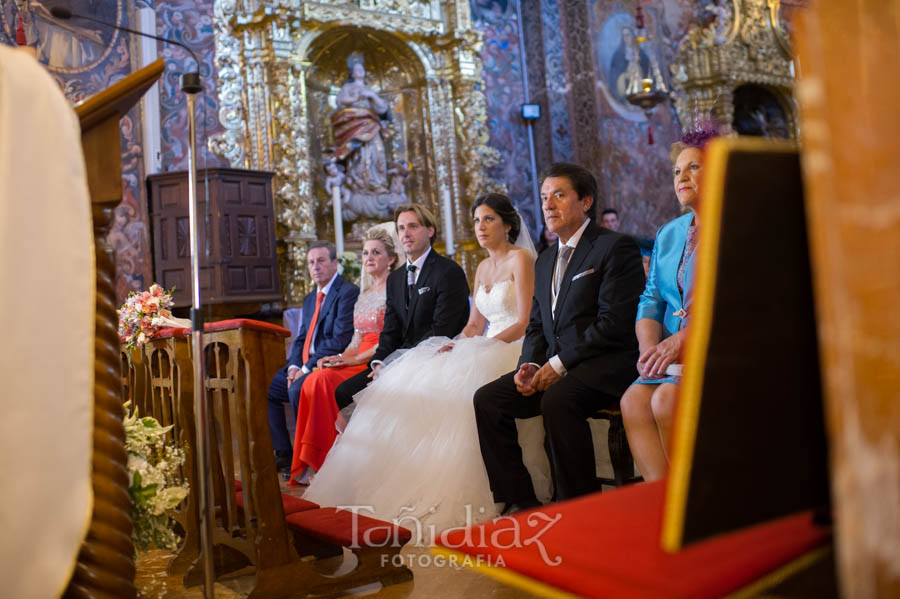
(190, 82)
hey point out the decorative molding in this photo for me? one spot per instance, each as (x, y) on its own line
(387, 16)
(265, 53)
(745, 43)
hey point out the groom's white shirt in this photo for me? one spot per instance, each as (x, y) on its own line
(418, 264)
(555, 362)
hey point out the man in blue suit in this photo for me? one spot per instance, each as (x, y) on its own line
(325, 330)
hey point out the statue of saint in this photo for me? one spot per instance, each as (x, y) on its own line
(357, 126)
(357, 130)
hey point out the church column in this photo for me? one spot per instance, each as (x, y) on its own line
(292, 184)
(475, 156)
(582, 78)
(274, 99)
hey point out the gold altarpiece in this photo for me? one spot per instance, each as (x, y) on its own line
(279, 65)
(745, 45)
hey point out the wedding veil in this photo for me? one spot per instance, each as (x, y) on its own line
(524, 239)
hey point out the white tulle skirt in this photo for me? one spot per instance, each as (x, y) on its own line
(410, 451)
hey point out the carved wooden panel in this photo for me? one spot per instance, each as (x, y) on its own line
(237, 232)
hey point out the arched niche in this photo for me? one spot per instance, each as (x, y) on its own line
(401, 76)
(762, 112)
(277, 65)
(743, 49)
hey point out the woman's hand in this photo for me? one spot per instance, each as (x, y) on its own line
(326, 361)
(446, 348)
(653, 362)
(337, 361)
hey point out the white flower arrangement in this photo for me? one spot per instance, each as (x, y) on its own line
(349, 266)
(156, 484)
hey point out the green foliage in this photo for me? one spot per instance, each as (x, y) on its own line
(157, 486)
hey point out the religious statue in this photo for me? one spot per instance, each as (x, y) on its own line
(719, 27)
(629, 81)
(358, 125)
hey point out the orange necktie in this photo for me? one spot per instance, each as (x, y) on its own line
(312, 327)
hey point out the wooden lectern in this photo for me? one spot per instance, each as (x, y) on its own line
(105, 566)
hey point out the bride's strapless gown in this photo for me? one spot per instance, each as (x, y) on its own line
(411, 448)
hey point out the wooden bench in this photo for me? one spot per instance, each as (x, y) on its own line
(134, 378)
(257, 529)
(170, 399)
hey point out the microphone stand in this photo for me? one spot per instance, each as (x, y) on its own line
(190, 85)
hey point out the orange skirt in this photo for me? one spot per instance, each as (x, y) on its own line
(318, 411)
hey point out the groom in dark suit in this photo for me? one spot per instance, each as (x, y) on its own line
(428, 297)
(580, 349)
(325, 330)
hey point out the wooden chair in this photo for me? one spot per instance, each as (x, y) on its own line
(105, 564)
(257, 529)
(619, 452)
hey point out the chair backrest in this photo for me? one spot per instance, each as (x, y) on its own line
(292, 318)
(749, 440)
(240, 362)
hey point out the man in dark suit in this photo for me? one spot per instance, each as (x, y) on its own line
(325, 330)
(427, 298)
(579, 352)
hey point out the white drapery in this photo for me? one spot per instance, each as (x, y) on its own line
(47, 294)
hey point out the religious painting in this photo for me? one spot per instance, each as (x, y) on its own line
(491, 11)
(622, 62)
(65, 45)
(505, 92)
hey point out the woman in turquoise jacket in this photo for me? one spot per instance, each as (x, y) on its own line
(649, 403)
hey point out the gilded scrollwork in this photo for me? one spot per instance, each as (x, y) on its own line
(743, 44)
(393, 20)
(266, 52)
(230, 144)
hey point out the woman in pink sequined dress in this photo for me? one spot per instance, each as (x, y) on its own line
(317, 411)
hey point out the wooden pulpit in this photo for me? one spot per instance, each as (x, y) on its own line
(105, 566)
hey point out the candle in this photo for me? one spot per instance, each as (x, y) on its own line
(338, 218)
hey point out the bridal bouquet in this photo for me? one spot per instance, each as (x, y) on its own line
(143, 314)
(156, 484)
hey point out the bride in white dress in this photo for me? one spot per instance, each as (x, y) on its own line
(410, 452)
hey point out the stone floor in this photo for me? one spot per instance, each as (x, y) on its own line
(430, 581)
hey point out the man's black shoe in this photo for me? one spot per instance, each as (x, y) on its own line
(512, 508)
(283, 461)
